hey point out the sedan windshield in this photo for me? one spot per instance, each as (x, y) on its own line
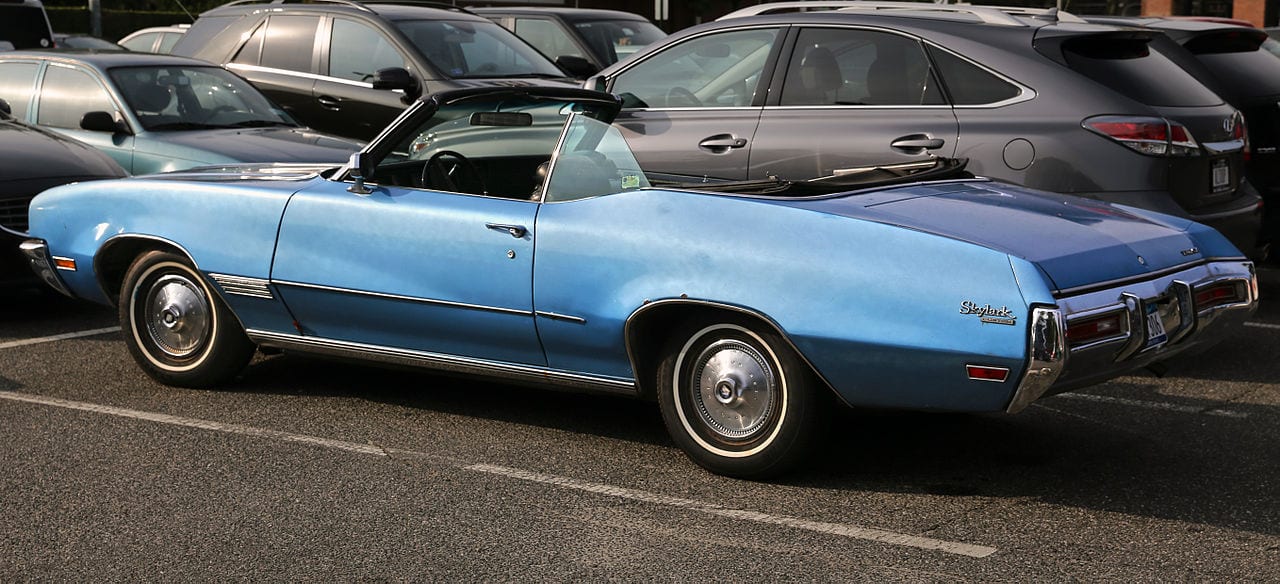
(476, 50)
(194, 98)
(618, 39)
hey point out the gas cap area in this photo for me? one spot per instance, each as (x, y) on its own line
(1019, 154)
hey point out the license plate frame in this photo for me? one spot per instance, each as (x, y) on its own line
(1220, 175)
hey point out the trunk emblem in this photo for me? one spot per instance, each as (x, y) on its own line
(1192, 251)
(987, 313)
(1229, 124)
(1142, 260)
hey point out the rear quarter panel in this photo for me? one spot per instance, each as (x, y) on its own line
(874, 307)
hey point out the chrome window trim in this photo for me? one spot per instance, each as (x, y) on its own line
(312, 76)
(445, 362)
(414, 299)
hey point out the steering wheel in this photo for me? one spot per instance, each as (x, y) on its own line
(450, 171)
(680, 97)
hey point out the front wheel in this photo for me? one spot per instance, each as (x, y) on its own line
(737, 399)
(175, 327)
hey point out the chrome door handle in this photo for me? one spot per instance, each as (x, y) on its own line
(516, 231)
(332, 103)
(722, 143)
(917, 142)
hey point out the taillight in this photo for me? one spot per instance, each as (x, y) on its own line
(1219, 295)
(1150, 136)
(1238, 132)
(1097, 328)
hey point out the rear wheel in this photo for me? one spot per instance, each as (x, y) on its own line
(175, 327)
(737, 399)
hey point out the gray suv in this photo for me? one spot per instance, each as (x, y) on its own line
(1063, 106)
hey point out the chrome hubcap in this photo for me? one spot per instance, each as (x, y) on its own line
(177, 316)
(736, 389)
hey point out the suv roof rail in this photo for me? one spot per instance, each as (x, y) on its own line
(987, 14)
(358, 5)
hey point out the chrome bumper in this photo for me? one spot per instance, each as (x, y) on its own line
(37, 252)
(1056, 366)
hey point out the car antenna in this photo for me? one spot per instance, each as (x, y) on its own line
(184, 9)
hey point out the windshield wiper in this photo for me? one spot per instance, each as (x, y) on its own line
(515, 76)
(185, 126)
(260, 124)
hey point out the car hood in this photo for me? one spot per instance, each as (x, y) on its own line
(1075, 241)
(265, 144)
(28, 152)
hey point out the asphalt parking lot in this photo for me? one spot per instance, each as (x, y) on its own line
(307, 470)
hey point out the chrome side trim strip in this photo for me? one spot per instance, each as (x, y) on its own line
(1047, 352)
(431, 301)
(242, 286)
(299, 74)
(555, 316)
(443, 362)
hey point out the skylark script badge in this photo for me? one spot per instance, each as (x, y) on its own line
(986, 313)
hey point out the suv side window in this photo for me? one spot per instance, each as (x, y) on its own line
(17, 83)
(715, 70)
(67, 95)
(252, 49)
(970, 84)
(547, 36)
(290, 42)
(357, 51)
(141, 43)
(839, 66)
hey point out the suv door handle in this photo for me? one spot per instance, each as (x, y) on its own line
(721, 143)
(917, 142)
(516, 231)
(332, 103)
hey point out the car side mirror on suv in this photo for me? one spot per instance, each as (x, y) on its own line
(5, 110)
(100, 121)
(393, 78)
(576, 66)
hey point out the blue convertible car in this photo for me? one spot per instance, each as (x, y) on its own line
(510, 233)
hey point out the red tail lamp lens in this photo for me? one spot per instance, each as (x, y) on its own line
(1217, 296)
(1096, 328)
(986, 373)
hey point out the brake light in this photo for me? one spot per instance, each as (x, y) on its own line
(1218, 295)
(1089, 330)
(1150, 136)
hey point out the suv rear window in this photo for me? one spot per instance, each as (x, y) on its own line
(1243, 60)
(25, 27)
(1129, 66)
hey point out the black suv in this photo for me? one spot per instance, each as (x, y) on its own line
(349, 68)
(1052, 103)
(24, 25)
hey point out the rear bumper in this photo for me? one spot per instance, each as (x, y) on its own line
(1191, 324)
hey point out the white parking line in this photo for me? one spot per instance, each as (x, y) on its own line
(61, 337)
(838, 529)
(1152, 405)
(1263, 325)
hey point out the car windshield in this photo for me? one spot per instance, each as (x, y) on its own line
(618, 38)
(465, 50)
(190, 98)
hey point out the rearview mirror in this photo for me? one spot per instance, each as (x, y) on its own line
(576, 66)
(100, 121)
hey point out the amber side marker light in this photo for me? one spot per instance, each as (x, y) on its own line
(986, 373)
(67, 264)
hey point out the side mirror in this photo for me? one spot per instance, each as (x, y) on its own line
(396, 78)
(100, 121)
(576, 66)
(5, 109)
(596, 82)
(360, 171)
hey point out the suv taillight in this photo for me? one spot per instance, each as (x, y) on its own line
(1239, 133)
(1150, 136)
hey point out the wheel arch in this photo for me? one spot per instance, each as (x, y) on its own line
(647, 329)
(113, 259)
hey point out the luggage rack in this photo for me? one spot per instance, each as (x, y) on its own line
(357, 5)
(998, 15)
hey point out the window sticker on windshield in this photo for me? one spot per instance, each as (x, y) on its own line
(630, 181)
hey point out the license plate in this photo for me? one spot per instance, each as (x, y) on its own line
(1221, 175)
(1162, 315)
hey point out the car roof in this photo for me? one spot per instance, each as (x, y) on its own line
(391, 10)
(106, 59)
(170, 28)
(570, 14)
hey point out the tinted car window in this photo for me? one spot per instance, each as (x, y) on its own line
(167, 98)
(167, 40)
(547, 36)
(357, 51)
(970, 84)
(833, 66)
(17, 83)
(142, 43)
(476, 49)
(1129, 66)
(252, 49)
(618, 38)
(68, 94)
(716, 70)
(1242, 62)
(289, 42)
(25, 27)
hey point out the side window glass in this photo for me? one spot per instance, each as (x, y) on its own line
(832, 66)
(167, 40)
(67, 95)
(17, 83)
(716, 70)
(289, 43)
(249, 53)
(141, 43)
(547, 36)
(969, 84)
(357, 51)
